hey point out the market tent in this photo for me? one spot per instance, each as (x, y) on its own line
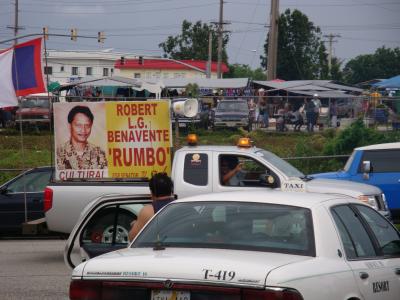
(234, 83)
(115, 81)
(309, 87)
(393, 82)
(324, 94)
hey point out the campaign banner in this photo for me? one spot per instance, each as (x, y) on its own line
(95, 140)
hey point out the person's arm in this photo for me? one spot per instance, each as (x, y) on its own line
(231, 173)
(145, 215)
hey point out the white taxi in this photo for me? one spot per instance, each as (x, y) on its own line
(254, 245)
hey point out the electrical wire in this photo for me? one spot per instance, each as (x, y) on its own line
(248, 27)
(97, 3)
(116, 12)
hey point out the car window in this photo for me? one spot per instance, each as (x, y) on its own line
(280, 164)
(110, 225)
(227, 225)
(356, 241)
(387, 237)
(251, 173)
(34, 182)
(382, 161)
(196, 169)
(232, 106)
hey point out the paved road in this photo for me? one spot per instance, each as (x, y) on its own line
(33, 270)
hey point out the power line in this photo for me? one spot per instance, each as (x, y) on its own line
(117, 12)
(91, 4)
(113, 3)
(319, 4)
(248, 27)
(369, 40)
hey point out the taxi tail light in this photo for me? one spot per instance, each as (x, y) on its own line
(273, 294)
(47, 199)
(85, 290)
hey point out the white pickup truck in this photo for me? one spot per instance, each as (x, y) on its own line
(196, 170)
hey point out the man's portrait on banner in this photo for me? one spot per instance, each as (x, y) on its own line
(76, 152)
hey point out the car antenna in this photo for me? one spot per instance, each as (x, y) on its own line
(158, 246)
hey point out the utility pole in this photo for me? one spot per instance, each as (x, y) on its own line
(330, 41)
(16, 21)
(273, 41)
(220, 36)
(16, 26)
(209, 63)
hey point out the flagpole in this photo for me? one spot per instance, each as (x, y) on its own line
(50, 99)
(21, 136)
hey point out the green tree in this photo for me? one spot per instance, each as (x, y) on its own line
(244, 71)
(384, 63)
(301, 52)
(336, 71)
(354, 136)
(192, 43)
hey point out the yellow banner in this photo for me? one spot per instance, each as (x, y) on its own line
(112, 139)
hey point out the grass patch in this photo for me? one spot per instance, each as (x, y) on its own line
(38, 147)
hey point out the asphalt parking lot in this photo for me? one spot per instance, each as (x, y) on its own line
(33, 269)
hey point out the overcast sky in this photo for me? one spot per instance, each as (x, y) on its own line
(138, 26)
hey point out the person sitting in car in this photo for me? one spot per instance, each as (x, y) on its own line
(231, 171)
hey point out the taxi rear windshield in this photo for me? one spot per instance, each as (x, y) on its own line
(231, 225)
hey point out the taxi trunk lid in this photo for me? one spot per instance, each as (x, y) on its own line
(183, 265)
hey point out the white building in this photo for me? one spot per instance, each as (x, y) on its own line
(66, 66)
(69, 65)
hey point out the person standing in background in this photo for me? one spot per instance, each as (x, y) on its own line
(333, 113)
(309, 107)
(317, 108)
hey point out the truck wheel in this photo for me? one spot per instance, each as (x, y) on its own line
(102, 229)
(121, 236)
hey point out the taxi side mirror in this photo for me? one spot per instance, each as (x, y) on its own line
(268, 180)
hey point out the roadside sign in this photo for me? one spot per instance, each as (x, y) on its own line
(95, 140)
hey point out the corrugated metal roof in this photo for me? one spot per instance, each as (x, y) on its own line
(115, 81)
(206, 82)
(307, 85)
(325, 94)
(165, 64)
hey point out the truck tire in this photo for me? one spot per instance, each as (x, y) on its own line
(104, 233)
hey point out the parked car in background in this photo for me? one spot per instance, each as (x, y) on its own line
(249, 245)
(7, 116)
(231, 114)
(12, 198)
(377, 165)
(35, 110)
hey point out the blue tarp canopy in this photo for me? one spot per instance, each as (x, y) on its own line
(393, 82)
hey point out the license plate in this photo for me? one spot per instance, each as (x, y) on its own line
(231, 124)
(182, 124)
(169, 295)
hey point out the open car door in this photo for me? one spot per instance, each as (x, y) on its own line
(103, 227)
